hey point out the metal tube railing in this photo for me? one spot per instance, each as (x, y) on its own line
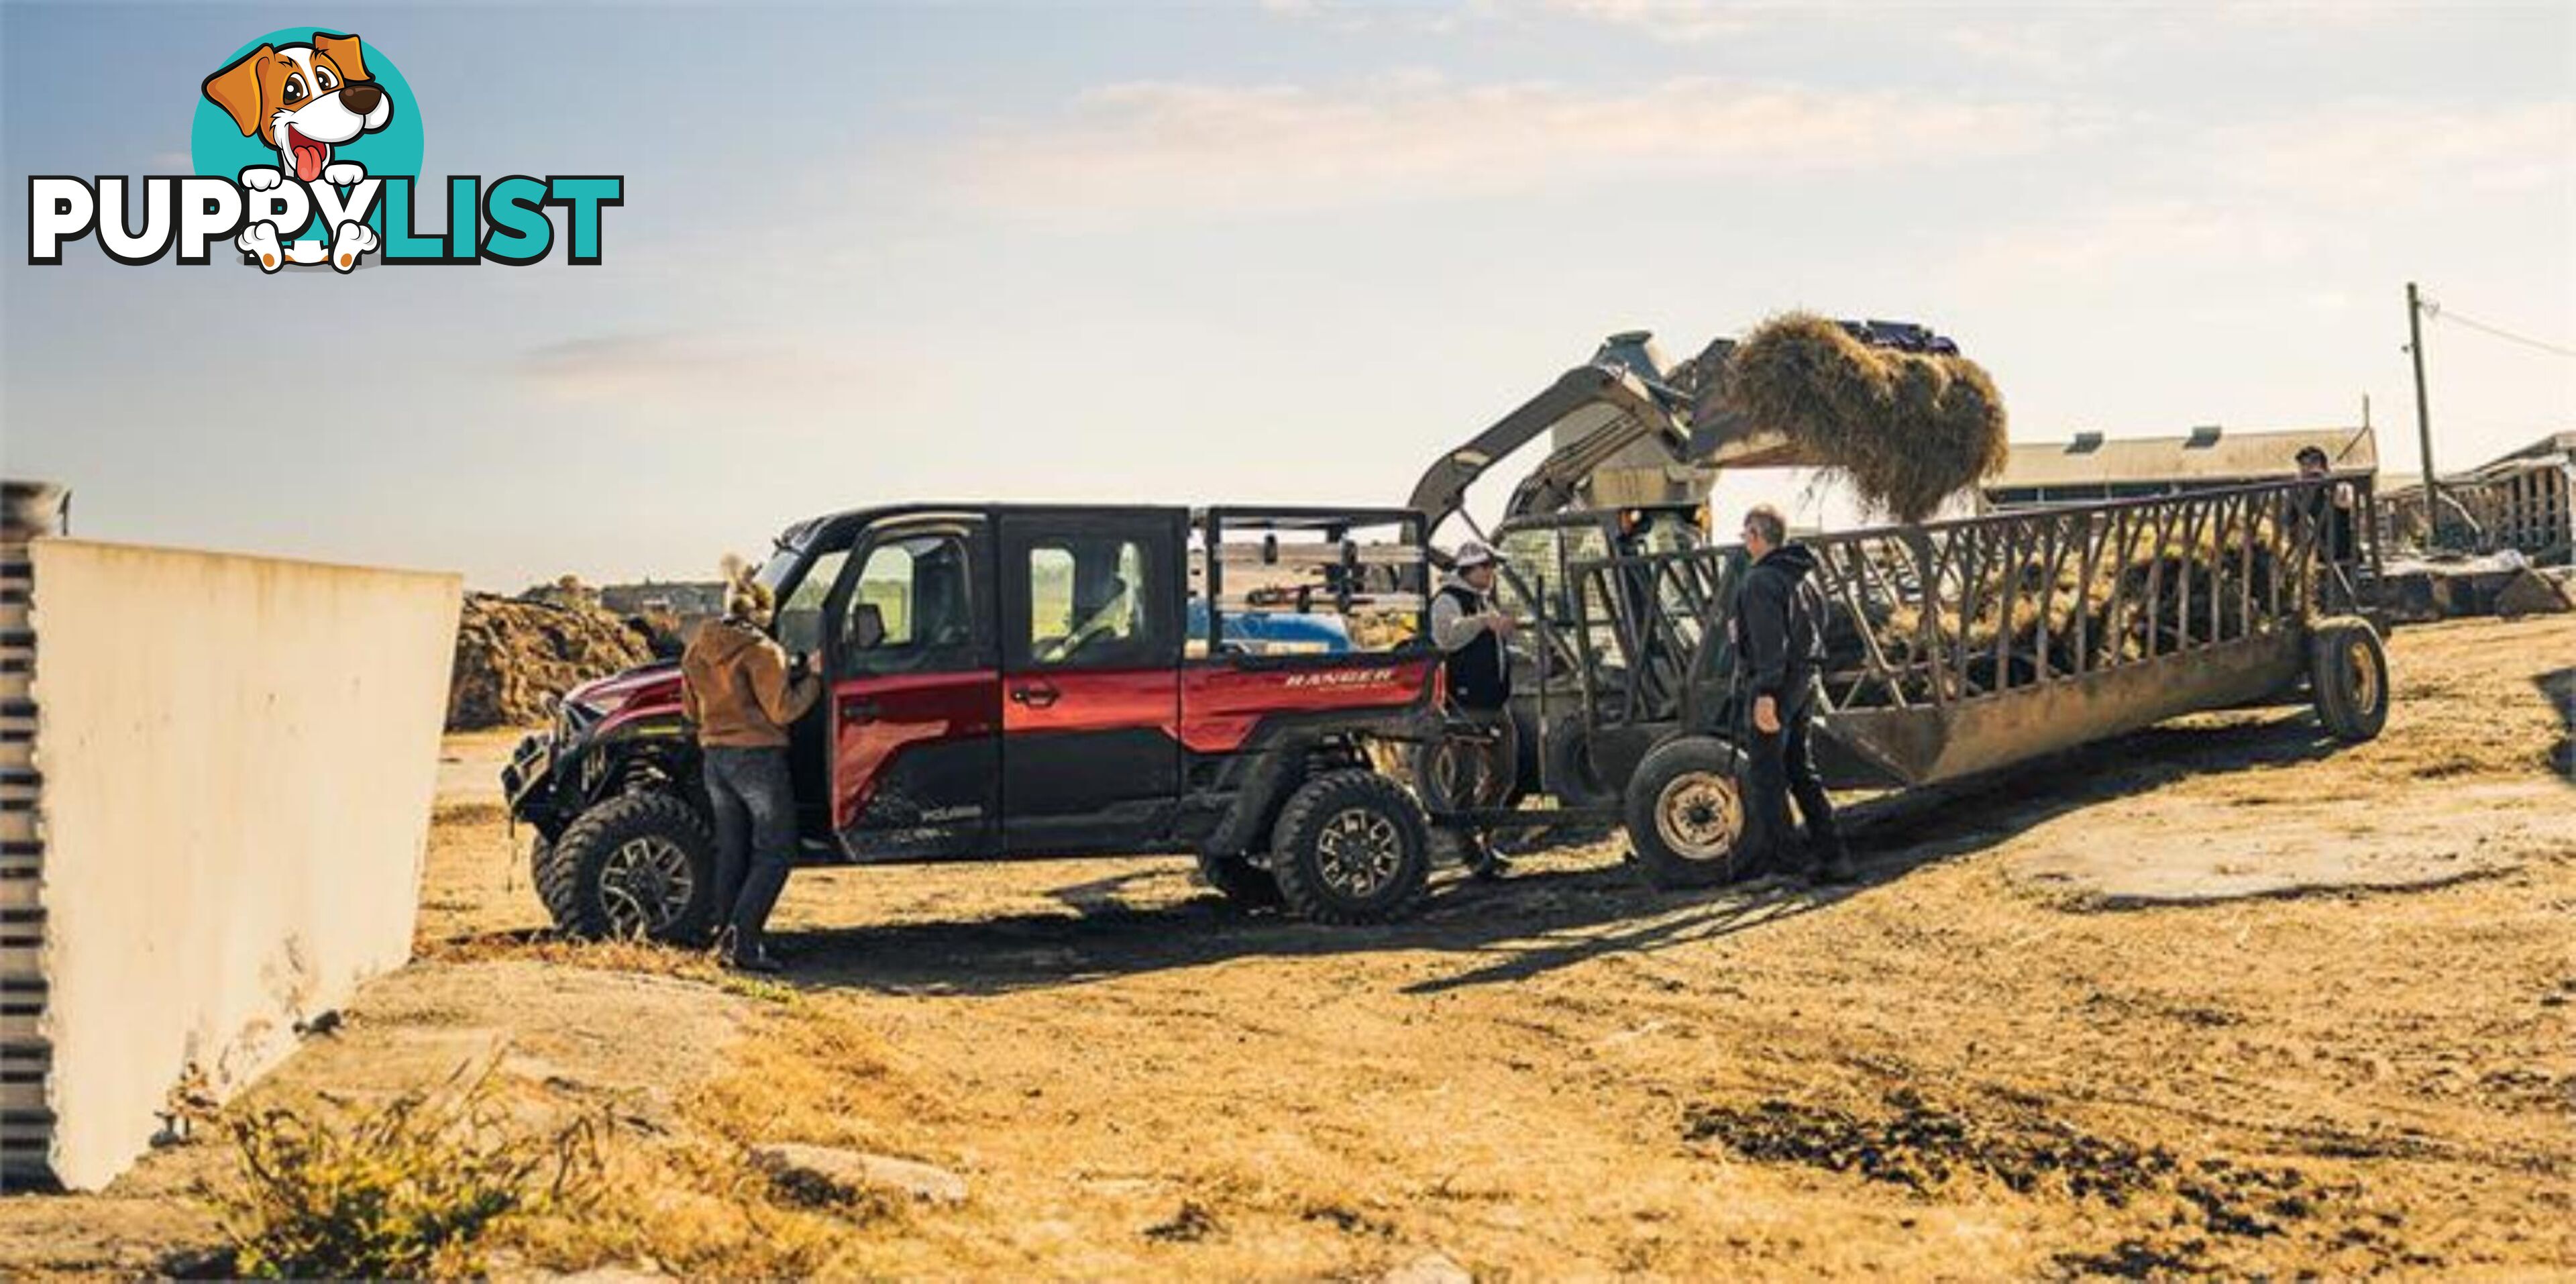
(1981, 606)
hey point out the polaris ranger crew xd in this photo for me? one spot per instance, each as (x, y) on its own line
(1023, 681)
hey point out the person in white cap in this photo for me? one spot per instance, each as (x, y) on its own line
(1470, 631)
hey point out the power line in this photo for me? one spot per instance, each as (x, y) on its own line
(2435, 310)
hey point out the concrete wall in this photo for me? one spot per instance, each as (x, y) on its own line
(238, 757)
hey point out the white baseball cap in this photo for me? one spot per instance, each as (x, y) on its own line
(1472, 553)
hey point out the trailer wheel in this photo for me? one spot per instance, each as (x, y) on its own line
(1457, 773)
(638, 865)
(1239, 881)
(1567, 767)
(1351, 847)
(1685, 813)
(2348, 675)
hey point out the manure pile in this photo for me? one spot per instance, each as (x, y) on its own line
(511, 654)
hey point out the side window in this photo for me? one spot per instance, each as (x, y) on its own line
(798, 622)
(882, 615)
(913, 609)
(1050, 573)
(1092, 603)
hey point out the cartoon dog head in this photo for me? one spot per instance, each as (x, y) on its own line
(303, 100)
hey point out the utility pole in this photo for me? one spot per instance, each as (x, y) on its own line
(2423, 410)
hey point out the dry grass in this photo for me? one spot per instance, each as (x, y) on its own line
(693, 1210)
(648, 958)
(812, 1074)
(1909, 429)
(820, 1077)
(1564, 1076)
(409, 1189)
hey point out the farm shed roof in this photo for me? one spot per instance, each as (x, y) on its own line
(2203, 455)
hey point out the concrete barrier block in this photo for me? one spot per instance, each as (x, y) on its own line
(234, 760)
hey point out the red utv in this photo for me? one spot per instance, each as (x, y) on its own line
(1006, 682)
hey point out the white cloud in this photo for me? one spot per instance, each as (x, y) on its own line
(2158, 235)
(2411, 152)
(2050, 43)
(2027, 47)
(1682, 21)
(688, 373)
(2269, 193)
(1674, 21)
(1161, 145)
(1374, 17)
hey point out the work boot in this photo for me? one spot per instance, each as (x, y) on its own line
(754, 960)
(1833, 867)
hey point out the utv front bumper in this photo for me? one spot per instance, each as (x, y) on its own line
(529, 773)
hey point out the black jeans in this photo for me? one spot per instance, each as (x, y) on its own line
(1784, 763)
(755, 814)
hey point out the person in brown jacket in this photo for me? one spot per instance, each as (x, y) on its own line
(736, 689)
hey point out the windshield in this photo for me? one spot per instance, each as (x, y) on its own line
(774, 572)
(798, 625)
(797, 620)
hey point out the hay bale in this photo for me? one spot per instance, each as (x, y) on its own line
(1909, 429)
(512, 654)
(1701, 376)
(2110, 603)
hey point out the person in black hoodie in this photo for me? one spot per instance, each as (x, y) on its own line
(1779, 645)
(2328, 506)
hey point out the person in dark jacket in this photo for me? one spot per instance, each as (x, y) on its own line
(738, 690)
(2329, 506)
(1780, 645)
(2328, 509)
(1471, 630)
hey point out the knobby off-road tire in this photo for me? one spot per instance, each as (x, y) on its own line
(1240, 882)
(637, 865)
(1568, 768)
(1686, 815)
(1461, 774)
(553, 879)
(1351, 847)
(2348, 677)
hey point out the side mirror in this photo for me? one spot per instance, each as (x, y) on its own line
(867, 627)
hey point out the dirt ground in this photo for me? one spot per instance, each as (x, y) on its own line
(2220, 997)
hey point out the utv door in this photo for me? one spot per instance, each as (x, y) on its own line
(916, 695)
(799, 625)
(1091, 649)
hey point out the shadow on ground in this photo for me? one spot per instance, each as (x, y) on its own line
(2560, 686)
(1534, 921)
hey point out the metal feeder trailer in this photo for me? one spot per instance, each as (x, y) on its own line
(1954, 648)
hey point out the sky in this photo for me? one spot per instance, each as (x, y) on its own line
(1267, 252)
